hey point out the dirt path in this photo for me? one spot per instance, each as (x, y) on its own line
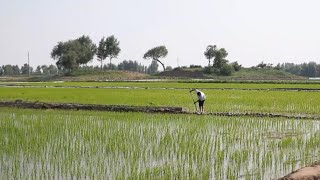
(306, 173)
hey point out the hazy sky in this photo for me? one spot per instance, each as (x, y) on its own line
(250, 30)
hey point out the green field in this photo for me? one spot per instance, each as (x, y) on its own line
(285, 102)
(55, 144)
(182, 84)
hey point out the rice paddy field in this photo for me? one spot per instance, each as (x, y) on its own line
(218, 100)
(57, 144)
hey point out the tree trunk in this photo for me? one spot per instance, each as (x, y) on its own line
(164, 69)
(110, 64)
(101, 64)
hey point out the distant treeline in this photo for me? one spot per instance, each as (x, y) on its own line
(127, 66)
(310, 69)
(11, 70)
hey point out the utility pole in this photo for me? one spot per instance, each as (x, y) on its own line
(28, 65)
(178, 61)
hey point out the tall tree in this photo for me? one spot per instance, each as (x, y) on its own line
(16, 70)
(45, 69)
(101, 51)
(210, 52)
(236, 66)
(156, 53)
(219, 59)
(87, 48)
(71, 54)
(153, 68)
(1, 71)
(24, 69)
(38, 70)
(108, 48)
(309, 69)
(52, 69)
(8, 70)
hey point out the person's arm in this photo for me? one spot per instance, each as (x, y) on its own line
(193, 89)
(196, 101)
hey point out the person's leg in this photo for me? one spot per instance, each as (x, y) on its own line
(201, 106)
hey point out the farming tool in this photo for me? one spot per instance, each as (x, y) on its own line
(195, 106)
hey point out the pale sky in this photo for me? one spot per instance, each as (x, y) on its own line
(250, 30)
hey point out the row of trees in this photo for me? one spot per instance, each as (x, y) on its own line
(9, 70)
(75, 54)
(310, 69)
(220, 65)
(70, 55)
(128, 65)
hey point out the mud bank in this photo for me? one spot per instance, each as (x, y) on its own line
(93, 107)
(306, 173)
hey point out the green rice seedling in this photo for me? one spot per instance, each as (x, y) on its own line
(114, 145)
(233, 101)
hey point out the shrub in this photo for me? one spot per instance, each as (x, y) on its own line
(236, 66)
(208, 70)
(226, 70)
(195, 66)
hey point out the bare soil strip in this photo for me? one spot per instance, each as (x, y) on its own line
(165, 88)
(306, 173)
(146, 109)
(93, 107)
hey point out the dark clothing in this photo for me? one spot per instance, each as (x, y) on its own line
(201, 103)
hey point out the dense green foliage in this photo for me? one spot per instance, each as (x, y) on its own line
(156, 53)
(310, 69)
(220, 64)
(108, 47)
(210, 53)
(10, 70)
(71, 54)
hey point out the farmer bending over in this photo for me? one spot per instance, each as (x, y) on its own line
(201, 99)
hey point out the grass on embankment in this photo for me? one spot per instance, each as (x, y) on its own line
(182, 84)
